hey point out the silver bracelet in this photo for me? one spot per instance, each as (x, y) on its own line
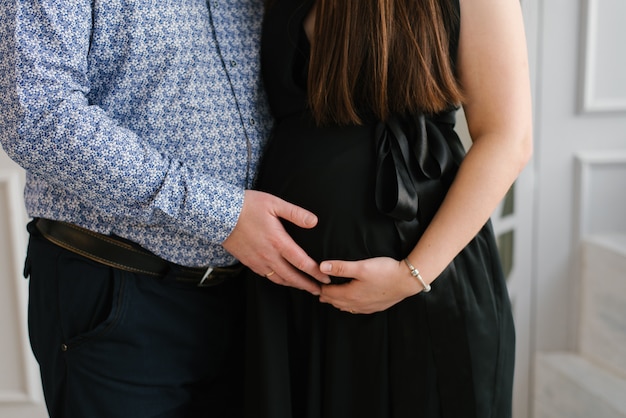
(416, 273)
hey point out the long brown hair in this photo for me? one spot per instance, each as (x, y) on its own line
(377, 57)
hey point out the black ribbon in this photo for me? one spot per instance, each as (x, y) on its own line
(412, 157)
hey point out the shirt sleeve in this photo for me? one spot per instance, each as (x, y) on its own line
(51, 130)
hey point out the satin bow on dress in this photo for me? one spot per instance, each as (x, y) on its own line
(413, 158)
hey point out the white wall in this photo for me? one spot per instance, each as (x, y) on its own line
(563, 130)
(20, 390)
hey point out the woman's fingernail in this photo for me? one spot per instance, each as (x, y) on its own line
(326, 267)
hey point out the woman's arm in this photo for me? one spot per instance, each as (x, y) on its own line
(493, 71)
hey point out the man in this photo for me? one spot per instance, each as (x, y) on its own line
(139, 124)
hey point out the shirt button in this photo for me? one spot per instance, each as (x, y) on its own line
(233, 63)
(252, 121)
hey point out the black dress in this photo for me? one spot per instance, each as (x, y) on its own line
(447, 353)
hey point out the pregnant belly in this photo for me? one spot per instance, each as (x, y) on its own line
(329, 171)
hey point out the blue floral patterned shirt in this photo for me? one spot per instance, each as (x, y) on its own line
(139, 118)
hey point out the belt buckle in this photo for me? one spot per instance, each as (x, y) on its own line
(204, 282)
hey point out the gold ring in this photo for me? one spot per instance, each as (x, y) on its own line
(352, 311)
(270, 273)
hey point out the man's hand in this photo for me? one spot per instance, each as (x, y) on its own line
(260, 242)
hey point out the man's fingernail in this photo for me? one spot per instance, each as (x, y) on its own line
(326, 267)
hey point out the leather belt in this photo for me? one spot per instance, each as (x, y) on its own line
(121, 254)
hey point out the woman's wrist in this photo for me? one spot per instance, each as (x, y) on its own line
(418, 283)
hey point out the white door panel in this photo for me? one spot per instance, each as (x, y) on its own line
(20, 389)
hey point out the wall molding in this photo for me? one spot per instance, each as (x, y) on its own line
(11, 199)
(600, 182)
(592, 100)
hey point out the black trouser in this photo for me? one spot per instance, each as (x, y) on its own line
(116, 344)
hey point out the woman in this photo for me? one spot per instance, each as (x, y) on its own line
(417, 321)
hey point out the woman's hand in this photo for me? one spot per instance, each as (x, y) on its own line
(377, 284)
